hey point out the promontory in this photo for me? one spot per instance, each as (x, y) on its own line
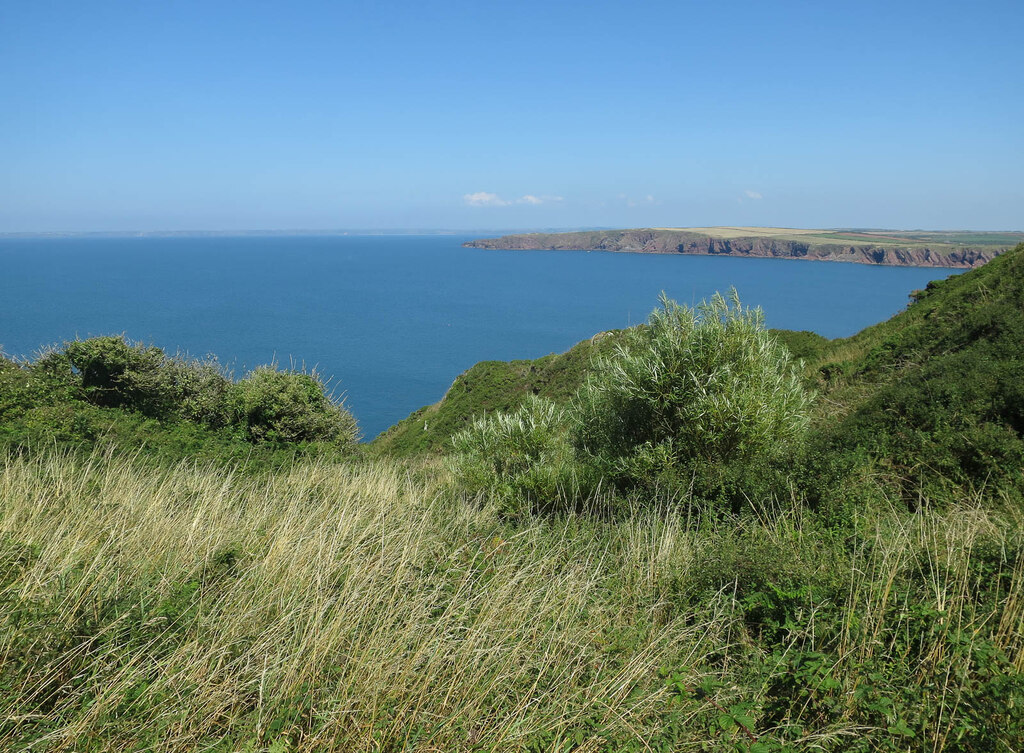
(960, 249)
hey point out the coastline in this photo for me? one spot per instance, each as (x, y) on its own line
(810, 247)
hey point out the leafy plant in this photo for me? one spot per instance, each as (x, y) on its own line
(289, 406)
(696, 394)
(522, 458)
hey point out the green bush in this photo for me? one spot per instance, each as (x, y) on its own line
(108, 391)
(522, 459)
(693, 401)
(288, 406)
(201, 391)
(46, 381)
(116, 373)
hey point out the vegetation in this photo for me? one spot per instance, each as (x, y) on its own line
(697, 404)
(109, 392)
(936, 394)
(353, 608)
(696, 396)
(522, 460)
(696, 543)
(492, 387)
(277, 406)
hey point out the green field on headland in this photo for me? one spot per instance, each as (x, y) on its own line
(936, 238)
(694, 534)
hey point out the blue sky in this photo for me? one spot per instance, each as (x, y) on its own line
(260, 115)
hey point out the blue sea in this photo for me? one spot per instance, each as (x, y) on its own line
(392, 320)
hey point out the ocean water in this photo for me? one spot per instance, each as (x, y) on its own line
(392, 320)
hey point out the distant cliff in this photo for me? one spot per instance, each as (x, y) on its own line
(815, 247)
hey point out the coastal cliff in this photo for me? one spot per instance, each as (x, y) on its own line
(817, 246)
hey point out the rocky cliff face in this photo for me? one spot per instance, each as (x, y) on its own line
(681, 242)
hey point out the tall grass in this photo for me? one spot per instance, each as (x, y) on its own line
(366, 608)
(327, 608)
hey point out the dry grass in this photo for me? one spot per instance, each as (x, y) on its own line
(368, 609)
(334, 608)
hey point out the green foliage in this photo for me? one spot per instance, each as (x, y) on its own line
(696, 403)
(697, 394)
(935, 396)
(289, 406)
(521, 459)
(116, 373)
(492, 387)
(801, 344)
(24, 386)
(107, 391)
(866, 631)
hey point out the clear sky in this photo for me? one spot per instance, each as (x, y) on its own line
(324, 115)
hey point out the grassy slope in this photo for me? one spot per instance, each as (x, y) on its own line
(489, 387)
(353, 608)
(938, 390)
(493, 386)
(983, 305)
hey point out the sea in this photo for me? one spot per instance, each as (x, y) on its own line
(390, 321)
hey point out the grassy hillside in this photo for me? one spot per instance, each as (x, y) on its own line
(937, 392)
(497, 386)
(670, 564)
(491, 387)
(352, 608)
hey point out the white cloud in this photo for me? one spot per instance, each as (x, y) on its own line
(753, 195)
(486, 199)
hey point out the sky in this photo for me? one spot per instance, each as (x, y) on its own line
(523, 115)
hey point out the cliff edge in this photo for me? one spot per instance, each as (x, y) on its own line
(889, 248)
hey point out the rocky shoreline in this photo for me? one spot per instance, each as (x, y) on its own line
(682, 242)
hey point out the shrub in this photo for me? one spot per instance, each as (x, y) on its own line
(116, 373)
(201, 390)
(288, 406)
(953, 423)
(522, 459)
(697, 396)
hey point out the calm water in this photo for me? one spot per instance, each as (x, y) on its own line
(394, 319)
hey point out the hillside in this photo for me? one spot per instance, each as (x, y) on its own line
(935, 392)
(898, 248)
(500, 386)
(491, 387)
